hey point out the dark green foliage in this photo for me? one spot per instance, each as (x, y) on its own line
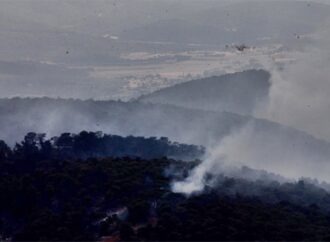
(5, 151)
(212, 218)
(85, 145)
(63, 200)
(130, 198)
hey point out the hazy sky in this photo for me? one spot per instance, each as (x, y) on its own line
(79, 48)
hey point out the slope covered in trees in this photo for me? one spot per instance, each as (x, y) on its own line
(96, 145)
(130, 199)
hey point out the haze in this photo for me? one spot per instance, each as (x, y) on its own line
(110, 50)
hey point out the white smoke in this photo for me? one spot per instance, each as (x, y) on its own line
(299, 98)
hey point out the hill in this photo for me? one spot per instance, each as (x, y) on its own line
(238, 92)
(254, 142)
(130, 200)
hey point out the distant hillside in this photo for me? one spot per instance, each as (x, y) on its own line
(262, 144)
(238, 92)
(53, 116)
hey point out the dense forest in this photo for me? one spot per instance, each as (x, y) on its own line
(84, 145)
(51, 190)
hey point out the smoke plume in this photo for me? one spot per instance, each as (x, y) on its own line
(299, 99)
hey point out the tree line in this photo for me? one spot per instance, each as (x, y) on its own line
(85, 145)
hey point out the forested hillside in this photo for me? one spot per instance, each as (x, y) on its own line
(131, 199)
(96, 144)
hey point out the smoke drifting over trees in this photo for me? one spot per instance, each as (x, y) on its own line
(164, 120)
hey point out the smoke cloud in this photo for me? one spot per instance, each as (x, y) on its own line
(299, 99)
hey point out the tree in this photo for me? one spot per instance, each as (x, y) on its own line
(5, 151)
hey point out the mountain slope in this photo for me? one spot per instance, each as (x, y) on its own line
(256, 143)
(238, 92)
